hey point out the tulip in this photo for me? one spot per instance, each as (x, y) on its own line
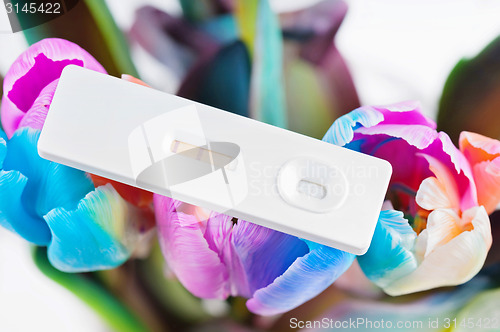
(284, 70)
(85, 226)
(216, 256)
(31, 81)
(442, 234)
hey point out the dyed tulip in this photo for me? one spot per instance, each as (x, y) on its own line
(50, 204)
(31, 81)
(216, 256)
(444, 235)
(289, 75)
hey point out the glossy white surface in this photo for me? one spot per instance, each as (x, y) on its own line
(126, 132)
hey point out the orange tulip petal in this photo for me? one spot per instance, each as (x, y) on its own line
(483, 153)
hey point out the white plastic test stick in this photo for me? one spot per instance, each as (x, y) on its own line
(215, 159)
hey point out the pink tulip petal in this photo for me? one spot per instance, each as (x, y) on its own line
(379, 141)
(187, 252)
(417, 135)
(218, 235)
(35, 117)
(407, 112)
(33, 70)
(463, 176)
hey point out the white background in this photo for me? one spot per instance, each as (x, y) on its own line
(396, 50)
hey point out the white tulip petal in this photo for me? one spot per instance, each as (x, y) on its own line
(432, 195)
(452, 263)
(442, 227)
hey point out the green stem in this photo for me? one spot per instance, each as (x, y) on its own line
(118, 46)
(114, 313)
(169, 292)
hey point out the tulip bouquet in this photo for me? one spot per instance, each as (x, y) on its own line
(147, 262)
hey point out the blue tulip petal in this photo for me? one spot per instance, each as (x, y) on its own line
(31, 186)
(50, 185)
(90, 237)
(305, 278)
(222, 28)
(389, 256)
(342, 130)
(14, 216)
(265, 254)
(3, 147)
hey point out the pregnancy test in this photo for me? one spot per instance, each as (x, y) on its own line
(215, 159)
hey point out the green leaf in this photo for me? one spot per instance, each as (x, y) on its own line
(113, 312)
(260, 31)
(471, 95)
(308, 110)
(480, 314)
(91, 26)
(169, 291)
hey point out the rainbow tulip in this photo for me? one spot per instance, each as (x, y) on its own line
(85, 226)
(215, 256)
(442, 234)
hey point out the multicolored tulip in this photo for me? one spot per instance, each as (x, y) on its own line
(284, 70)
(85, 228)
(215, 256)
(444, 235)
(32, 79)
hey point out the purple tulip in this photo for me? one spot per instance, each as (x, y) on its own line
(216, 256)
